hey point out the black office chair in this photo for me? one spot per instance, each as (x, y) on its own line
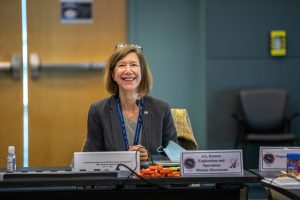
(264, 118)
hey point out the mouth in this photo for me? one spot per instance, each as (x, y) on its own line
(128, 78)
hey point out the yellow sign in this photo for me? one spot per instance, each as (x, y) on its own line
(278, 43)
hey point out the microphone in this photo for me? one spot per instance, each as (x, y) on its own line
(138, 103)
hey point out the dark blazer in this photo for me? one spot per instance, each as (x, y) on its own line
(104, 127)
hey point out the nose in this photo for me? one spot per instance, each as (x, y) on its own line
(128, 67)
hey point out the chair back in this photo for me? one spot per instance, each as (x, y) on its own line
(264, 109)
(184, 129)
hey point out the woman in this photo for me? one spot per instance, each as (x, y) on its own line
(129, 119)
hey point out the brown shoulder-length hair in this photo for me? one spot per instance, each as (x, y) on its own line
(146, 77)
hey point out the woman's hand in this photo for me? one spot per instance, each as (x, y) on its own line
(143, 151)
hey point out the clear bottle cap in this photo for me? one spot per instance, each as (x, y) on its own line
(11, 149)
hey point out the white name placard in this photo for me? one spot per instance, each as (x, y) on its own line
(274, 158)
(106, 161)
(196, 163)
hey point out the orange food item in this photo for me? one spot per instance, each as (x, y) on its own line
(155, 167)
(155, 175)
(172, 173)
(147, 171)
(158, 171)
(145, 175)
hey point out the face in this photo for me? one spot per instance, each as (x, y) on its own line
(127, 73)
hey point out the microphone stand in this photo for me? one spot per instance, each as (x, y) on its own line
(138, 103)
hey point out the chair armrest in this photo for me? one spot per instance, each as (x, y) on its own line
(289, 119)
(294, 115)
(241, 129)
(237, 117)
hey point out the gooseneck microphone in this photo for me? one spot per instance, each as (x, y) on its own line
(138, 103)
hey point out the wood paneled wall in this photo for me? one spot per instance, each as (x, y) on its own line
(59, 99)
(11, 110)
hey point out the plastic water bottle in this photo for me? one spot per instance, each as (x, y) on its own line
(11, 159)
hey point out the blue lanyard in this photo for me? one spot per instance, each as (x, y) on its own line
(138, 126)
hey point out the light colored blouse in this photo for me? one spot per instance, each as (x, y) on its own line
(130, 127)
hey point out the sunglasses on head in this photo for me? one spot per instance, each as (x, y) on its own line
(122, 45)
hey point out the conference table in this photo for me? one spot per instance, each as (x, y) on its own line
(63, 183)
(276, 191)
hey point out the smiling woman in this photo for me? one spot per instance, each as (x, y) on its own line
(132, 54)
(129, 120)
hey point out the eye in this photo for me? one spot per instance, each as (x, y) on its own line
(121, 65)
(134, 65)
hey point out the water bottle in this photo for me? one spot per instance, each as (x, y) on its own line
(11, 159)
